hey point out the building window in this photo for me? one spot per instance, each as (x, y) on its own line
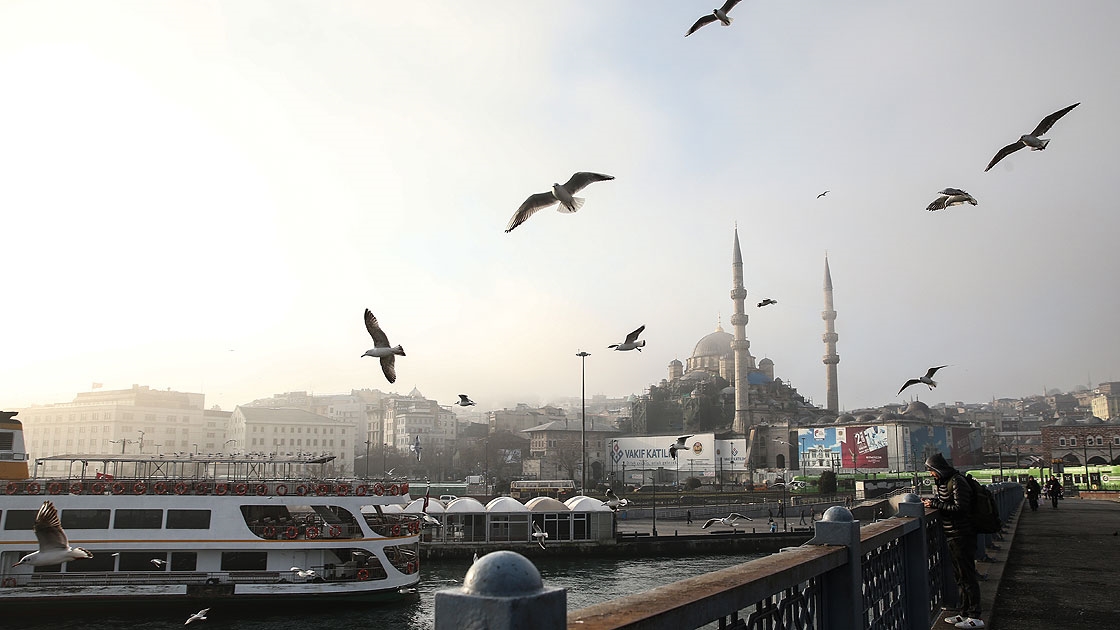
(1073, 441)
(1061, 441)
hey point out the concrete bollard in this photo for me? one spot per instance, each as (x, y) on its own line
(502, 591)
(842, 587)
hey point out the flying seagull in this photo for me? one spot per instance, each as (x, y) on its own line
(539, 535)
(381, 348)
(631, 342)
(428, 521)
(158, 563)
(303, 573)
(53, 546)
(767, 302)
(927, 379)
(678, 445)
(198, 616)
(822, 194)
(563, 194)
(951, 197)
(717, 14)
(613, 502)
(464, 401)
(1032, 139)
(730, 520)
(416, 448)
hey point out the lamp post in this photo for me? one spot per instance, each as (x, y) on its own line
(141, 441)
(368, 441)
(583, 431)
(1085, 450)
(384, 454)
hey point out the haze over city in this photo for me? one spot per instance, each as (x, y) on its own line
(206, 196)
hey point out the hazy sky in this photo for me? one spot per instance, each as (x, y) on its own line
(204, 196)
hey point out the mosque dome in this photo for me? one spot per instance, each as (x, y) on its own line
(1065, 422)
(917, 408)
(845, 418)
(716, 344)
(868, 418)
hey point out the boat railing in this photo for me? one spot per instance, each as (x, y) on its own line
(193, 486)
(331, 573)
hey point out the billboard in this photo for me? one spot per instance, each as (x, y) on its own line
(863, 447)
(967, 447)
(652, 451)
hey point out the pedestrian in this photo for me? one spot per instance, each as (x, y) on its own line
(688, 516)
(773, 526)
(953, 498)
(802, 517)
(1033, 490)
(781, 508)
(812, 514)
(1054, 490)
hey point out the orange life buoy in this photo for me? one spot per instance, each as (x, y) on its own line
(291, 532)
(363, 575)
(97, 488)
(410, 567)
(180, 488)
(342, 489)
(361, 490)
(404, 488)
(241, 489)
(11, 581)
(11, 488)
(269, 531)
(76, 488)
(261, 489)
(202, 488)
(415, 527)
(54, 487)
(139, 488)
(118, 488)
(322, 489)
(301, 490)
(161, 488)
(281, 489)
(335, 531)
(378, 489)
(33, 488)
(394, 490)
(311, 532)
(221, 489)
(397, 529)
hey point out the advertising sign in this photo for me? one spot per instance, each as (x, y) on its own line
(652, 452)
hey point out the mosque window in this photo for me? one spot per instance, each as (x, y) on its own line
(1073, 441)
(1061, 441)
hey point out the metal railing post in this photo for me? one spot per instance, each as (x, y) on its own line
(841, 588)
(502, 591)
(915, 564)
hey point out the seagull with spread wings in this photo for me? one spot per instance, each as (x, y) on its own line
(822, 194)
(951, 197)
(678, 445)
(766, 302)
(719, 14)
(730, 520)
(631, 342)
(54, 548)
(465, 401)
(563, 194)
(613, 502)
(198, 616)
(539, 535)
(927, 379)
(1031, 139)
(381, 348)
(416, 448)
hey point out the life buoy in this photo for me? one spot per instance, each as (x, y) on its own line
(414, 527)
(54, 487)
(11, 581)
(311, 532)
(76, 488)
(221, 489)
(335, 531)
(322, 489)
(394, 490)
(180, 488)
(11, 488)
(161, 488)
(404, 488)
(397, 529)
(261, 489)
(291, 532)
(33, 488)
(281, 490)
(241, 489)
(361, 490)
(363, 575)
(97, 488)
(269, 531)
(301, 490)
(139, 488)
(202, 488)
(342, 489)
(410, 567)
(118, 488)
(378, 489)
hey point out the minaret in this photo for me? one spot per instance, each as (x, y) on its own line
(739, 345)
(830, 337)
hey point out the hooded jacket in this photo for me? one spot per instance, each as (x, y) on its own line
(954, 498)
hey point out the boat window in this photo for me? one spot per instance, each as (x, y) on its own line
(188, 519)
(244, 560)
(102, 561)
(184, 561)
(138, 519)
(20, 519)
(140, 560)
(404, 557)
(85, 519)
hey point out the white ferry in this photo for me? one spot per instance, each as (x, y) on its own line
(205, 529)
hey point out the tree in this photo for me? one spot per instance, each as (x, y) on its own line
(828, 482)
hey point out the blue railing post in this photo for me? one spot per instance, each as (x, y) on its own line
(915, 556)
(502, 591)
(841, 588)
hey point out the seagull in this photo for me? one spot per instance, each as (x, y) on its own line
(464, 401)
(822, 194)
(678, 445)
(1032, 139)
(198, 616)
(416, 448)
(730, 520)
(53, 546)
(951, 197)
(717, 14)
(475, 558)
(563, 194)
(428, 521)
(767, 302)
(7, 415)
(302, 573)
(539, 534)
(613, 502)
(631, 342)
(927, 379)
(158, 562)
(381, 348)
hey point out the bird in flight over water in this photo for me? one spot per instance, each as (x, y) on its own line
(766, 302)
(730, 520)
(951, 197)
(631, 342)
(822, 194)
(381, 348)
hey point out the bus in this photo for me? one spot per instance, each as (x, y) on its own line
(559, 489)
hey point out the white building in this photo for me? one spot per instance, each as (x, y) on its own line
(292, 432)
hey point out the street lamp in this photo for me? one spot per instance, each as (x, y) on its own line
(141, 441)
(785, 490)
(228, 441)
(367, 457)
(583, 432)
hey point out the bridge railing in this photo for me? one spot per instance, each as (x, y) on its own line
(893, 574)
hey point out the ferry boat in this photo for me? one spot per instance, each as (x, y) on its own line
(204, 529)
